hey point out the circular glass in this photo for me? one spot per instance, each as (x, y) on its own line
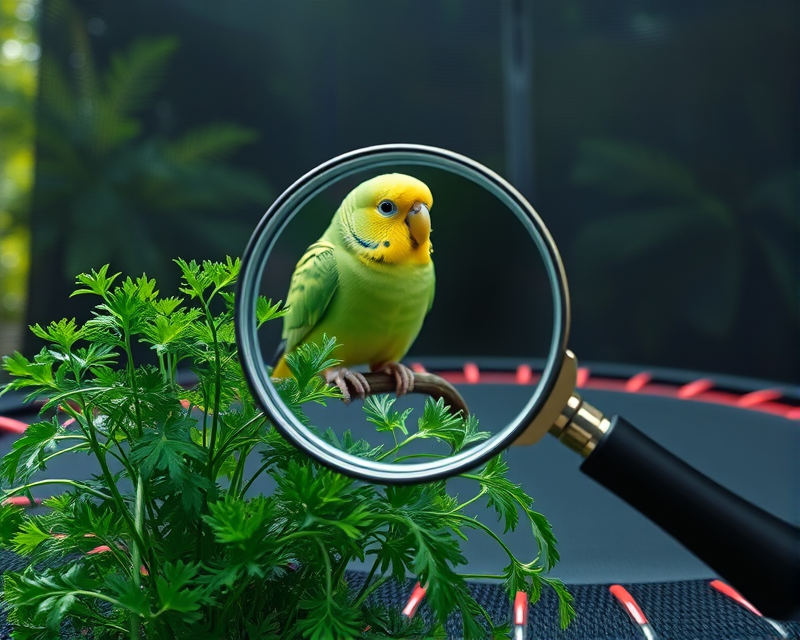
(254, 263)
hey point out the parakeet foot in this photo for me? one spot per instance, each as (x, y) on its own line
(341, 376)
(402, 374)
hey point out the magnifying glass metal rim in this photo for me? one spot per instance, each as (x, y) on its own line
(253, 264)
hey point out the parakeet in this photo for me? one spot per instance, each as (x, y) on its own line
(369, 281)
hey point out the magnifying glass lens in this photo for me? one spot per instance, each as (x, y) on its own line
(415, 282)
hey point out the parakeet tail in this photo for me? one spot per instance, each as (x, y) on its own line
(281, 370)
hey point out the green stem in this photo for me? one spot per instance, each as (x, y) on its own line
(205, 414)
(261, 470)
(487, 530)
(419, 455)
(366, 593)
(132, 382)
(217, 385)
(163, 368)
(464, 505)
(367, 581)
(328, 572)
(99, 453)
(136, 558)
(238, 473)
(481, 576)
(224, 443)
(77, 447)
(71, 483)
(399, 446)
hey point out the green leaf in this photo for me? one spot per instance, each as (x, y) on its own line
(96, 282)
(11, 520)
(64, 333)
(176, 591)
(164, 330)
(234, 521)
(360, 447)
(327, 619)
(36, 373)
(130, 595)
(266, 310)
(320, 499)
(168, 448)
(28, 453)
(566, 610)
(470, 435)
(309, 360)
(438, 422)
(504, 495)
(380, 413)
(28, 537)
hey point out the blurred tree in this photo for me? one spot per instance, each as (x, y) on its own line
(18, 66)
(108, 189)
(676, 253)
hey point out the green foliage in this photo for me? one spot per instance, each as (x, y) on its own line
(103, 174)
(174, 544)
(664, 211)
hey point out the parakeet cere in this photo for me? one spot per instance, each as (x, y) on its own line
(369, 281)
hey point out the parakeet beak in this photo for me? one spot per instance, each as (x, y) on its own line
(419, 224)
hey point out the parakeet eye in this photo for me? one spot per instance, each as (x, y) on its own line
(387, 207)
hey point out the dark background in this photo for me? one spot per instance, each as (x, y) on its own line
(658, 140)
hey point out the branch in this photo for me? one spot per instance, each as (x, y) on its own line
(426, 383)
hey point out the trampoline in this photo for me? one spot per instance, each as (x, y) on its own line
(602, 541)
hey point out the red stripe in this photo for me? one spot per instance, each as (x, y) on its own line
(521, 609)
(733, 594)
(103, 548)
(638, 381)
(22, 501)
(627, 601)
(416, 367)
(524, 374)
(14, 426)
(583, 377)
(471, 373)
(695, 388)
(414, 601)
(758, 397)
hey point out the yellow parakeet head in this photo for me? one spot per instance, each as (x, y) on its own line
(387, 220)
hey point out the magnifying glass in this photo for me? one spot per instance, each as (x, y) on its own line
(756, 552)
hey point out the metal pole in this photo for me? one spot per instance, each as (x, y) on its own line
(517, 60)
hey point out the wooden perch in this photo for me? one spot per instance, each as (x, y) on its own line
(426, 383)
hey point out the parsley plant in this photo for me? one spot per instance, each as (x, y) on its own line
(168, 541)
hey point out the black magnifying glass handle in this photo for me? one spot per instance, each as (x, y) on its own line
(756, 552)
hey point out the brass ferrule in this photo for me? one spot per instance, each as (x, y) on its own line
(580, 426)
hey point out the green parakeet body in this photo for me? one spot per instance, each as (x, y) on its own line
(369, 281)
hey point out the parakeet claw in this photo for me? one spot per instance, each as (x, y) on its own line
(341, 376)
(402, 374)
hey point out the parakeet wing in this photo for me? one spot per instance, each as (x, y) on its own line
(313, 284)
(433, 290)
